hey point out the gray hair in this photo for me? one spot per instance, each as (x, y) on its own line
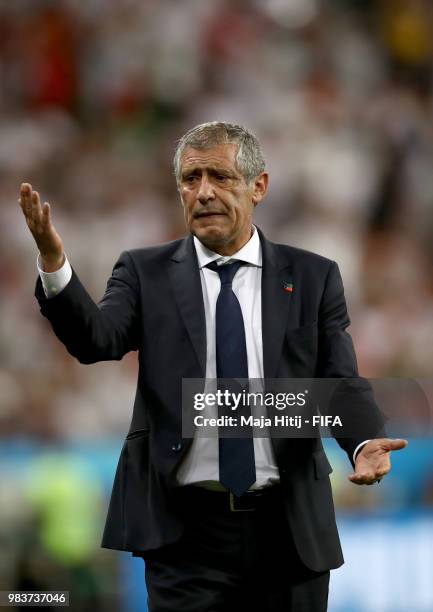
(249, 156)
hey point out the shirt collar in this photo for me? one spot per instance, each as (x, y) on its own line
(251, 252)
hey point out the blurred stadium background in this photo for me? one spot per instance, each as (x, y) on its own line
(93, 96)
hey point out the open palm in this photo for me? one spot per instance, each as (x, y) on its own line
(374, 460)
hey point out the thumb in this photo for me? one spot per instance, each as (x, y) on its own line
(396, 444)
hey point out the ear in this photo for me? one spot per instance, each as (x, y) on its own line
(260, 187)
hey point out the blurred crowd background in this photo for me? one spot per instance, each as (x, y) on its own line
(93, 97)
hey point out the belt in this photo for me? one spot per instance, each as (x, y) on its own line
(226, 501)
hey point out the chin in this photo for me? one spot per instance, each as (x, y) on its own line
(210, 236)
(209, 231)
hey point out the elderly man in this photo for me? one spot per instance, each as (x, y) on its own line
(223, 524)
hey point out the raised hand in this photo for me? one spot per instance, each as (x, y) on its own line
(39, 222)
(373, 460)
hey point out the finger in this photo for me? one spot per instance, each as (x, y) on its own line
(393, 445)
(36, 208)
(46, 214)
(363, 478)
(372, 476)
(359, 477)
(25, 189)
(25, 199)
(381, 473)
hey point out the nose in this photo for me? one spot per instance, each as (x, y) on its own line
(205, 192)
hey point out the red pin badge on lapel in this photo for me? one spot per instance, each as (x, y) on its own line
(288, 287)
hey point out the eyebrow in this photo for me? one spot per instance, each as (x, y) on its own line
(211, 169)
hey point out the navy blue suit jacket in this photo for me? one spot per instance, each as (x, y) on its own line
(153, 303)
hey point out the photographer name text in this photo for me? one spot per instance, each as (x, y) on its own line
(262, 422)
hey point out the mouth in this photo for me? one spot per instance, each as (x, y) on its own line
(207, 214)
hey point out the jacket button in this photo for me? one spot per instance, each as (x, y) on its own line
(176, 447)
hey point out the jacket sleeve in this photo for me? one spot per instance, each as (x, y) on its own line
(351, 398)
(96, 332)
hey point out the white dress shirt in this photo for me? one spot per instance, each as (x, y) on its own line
(201, 466)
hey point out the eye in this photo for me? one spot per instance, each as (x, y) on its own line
(190, 179)
(221, 178)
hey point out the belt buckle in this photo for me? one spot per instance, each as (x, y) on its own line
(233, 507)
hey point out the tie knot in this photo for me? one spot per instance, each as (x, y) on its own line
(226, 271)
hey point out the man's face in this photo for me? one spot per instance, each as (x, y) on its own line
(218, 203)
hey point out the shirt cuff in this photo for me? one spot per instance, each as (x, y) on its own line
(54, 282)
(357, 449)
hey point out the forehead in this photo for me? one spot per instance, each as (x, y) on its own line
(216, 156)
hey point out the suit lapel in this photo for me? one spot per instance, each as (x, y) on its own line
(185, 279)
(276, 303)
